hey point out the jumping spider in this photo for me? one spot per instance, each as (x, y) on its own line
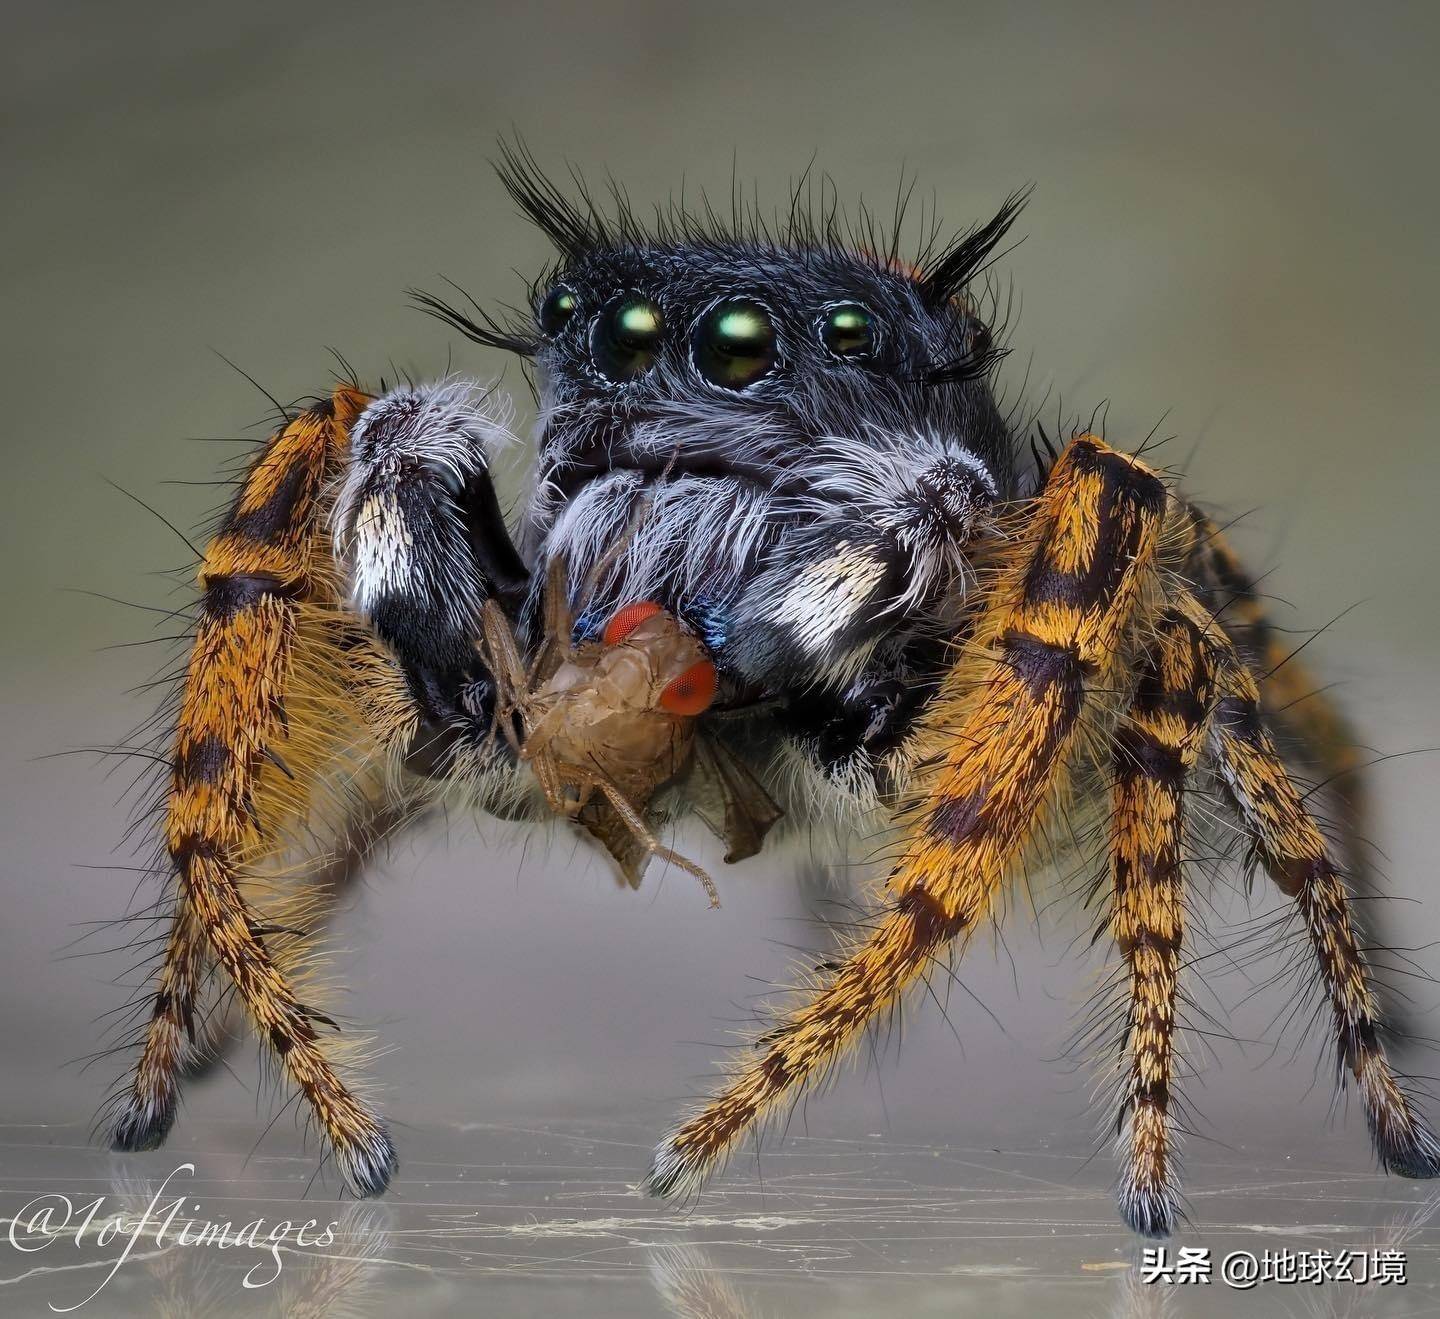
(792, 438)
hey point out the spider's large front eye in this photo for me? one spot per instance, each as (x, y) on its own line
(735, 344)
(626, 338)
(849, 331)
(556, 311)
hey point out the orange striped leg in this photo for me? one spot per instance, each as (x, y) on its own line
(1298, 859)
(148, 1104)
(1290, 699)
(1155, 749)
(1311, 732)
(147, 1108)
(314, 892)
(1288, 690)
(1001, 727)
(268, 556)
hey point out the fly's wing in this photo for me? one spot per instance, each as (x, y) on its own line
(730, 799)
(616, 837)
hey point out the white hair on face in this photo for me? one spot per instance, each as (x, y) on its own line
(444, 432)
(708, 429)
(683, 539)
(588, 525)
(882, 470)
(814, 602)
(689, 430)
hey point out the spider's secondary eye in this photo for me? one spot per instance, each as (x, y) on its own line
(849, 331)
(626, 339)
(557, 309)
(735, 344)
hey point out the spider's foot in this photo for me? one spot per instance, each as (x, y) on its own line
(1404, 1142)
(1407, 1149)
(1150, 1211)
(367, 1161)
(143, 1124)
(673, 1171)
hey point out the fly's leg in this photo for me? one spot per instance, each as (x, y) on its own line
(653, 845)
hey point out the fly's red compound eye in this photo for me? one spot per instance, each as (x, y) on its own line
(692, 692)
(627, 618)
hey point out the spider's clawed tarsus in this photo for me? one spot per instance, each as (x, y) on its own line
(787, 441)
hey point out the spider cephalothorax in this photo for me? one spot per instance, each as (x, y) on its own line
(792, 404)
(784, 438)
(792, 441)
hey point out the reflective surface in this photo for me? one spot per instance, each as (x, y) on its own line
(544, 1220)
(1232, 230)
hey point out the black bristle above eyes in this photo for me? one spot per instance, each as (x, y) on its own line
(481, 327)
(580, 222)
(573, 228)
(980, 334)
(946, 274)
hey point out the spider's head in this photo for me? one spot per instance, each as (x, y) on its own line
(719, 405)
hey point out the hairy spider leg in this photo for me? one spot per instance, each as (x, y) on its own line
(1155, 748)
(311, 891)
(1297, 857)
(172, 1044)
(1288, 693)
(1007, 716)
(268, 558)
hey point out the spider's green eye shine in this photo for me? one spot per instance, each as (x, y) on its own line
(735, 344)
(556, 311)
(849, 331)
(627, 337)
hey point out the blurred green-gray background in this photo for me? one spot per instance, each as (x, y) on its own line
(1232, 237)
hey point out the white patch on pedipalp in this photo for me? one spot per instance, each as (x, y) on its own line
(380, 552)
(445, 432)
(826, 595)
